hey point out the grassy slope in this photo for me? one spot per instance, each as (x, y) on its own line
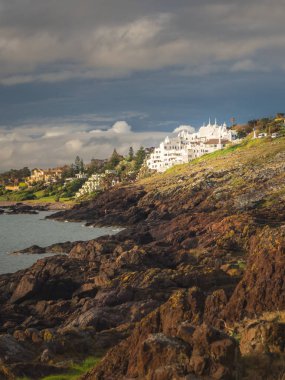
(249, 153)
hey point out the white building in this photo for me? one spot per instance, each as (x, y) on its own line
(81, 175)
(97, 182)
(187, 146)
(77, 176)
(94, 183)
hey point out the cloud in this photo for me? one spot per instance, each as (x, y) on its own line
(49, 145)
(121, 127)
(51, 41)
(184, 128)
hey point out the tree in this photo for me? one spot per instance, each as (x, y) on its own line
(252, 123)
(96, 166)
(78, 164)
(131, 154)
(139, 158)
(114, 160)
(15, 175)
(68, 171)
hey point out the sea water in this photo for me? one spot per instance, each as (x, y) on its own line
(20, 231)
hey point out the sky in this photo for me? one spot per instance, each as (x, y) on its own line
(83, 77)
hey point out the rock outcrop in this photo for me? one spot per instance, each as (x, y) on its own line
(172, 296)
(172, 343)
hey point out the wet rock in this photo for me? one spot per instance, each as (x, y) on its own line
(65, 247)
(20, 208)
(33, 249)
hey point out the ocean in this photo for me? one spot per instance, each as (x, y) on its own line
(23, 230)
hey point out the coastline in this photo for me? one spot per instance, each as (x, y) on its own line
(52, 206)
(196, 276)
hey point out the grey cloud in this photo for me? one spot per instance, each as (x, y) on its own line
(51, 41)
(51, 144)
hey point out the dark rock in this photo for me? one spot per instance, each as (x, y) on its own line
(11, 350)
(46, 356)
(57, 248)
(31, 250)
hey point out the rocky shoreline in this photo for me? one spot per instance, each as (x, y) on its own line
(28, 206)
(193, 288)
(57, 248)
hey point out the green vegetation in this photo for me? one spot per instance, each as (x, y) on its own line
(263, 125)
(241, 264)
(74, 372)
(64, 189)
(237, 148)
(14, 176)
(250, 152)
(17, 196)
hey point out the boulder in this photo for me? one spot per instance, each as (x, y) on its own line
(261, 337)
(214, 353)
(11, 350)
(159, 356)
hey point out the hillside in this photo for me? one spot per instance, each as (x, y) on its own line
(193, 288)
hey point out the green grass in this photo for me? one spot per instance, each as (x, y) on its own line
(177, 169)
(50, 199)
(74, 372)
(39, 194)
(245, 144)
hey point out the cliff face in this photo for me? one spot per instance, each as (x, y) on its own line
(193, 284)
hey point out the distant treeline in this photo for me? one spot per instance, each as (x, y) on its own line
(14, 176)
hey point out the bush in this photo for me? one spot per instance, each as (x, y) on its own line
(22, 196)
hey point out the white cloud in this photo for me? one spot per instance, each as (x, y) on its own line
(49, 145)
(121, 127)
(73, 145)
(184, 128)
